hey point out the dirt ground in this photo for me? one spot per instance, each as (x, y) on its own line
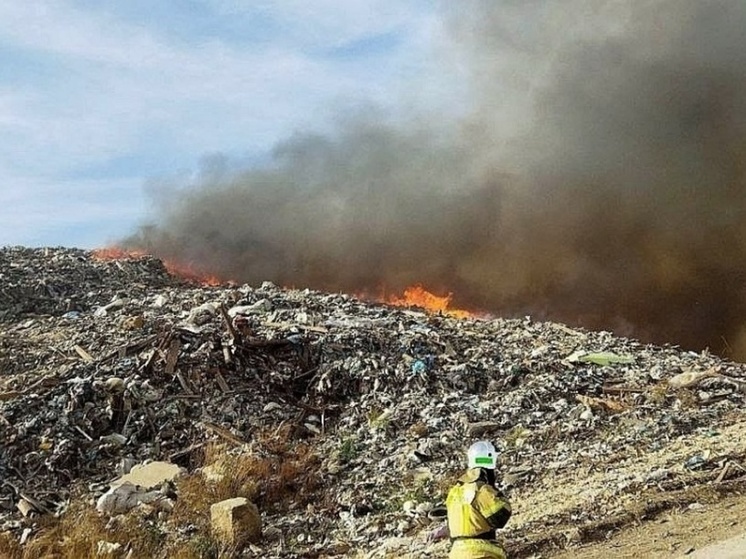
(674, 534)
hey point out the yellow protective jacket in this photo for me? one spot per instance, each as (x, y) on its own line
(475, 511)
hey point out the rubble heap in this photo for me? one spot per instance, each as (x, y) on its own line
(106, 364)
(54, 281)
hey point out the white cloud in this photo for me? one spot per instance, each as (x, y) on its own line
(125, 80)
(114, 90)
(84, 213)
(329, 23)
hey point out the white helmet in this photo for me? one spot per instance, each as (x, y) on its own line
(482, 454)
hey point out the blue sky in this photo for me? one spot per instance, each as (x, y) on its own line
(99, 97)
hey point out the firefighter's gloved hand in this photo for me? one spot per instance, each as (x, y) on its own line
(438, 534)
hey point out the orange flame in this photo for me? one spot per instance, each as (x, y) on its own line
(418, 296)
(116, 253)
(190, 272)
(184, 271)
(414, 296)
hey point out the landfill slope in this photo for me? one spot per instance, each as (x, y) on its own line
(106, 363)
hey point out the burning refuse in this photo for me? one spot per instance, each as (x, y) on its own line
(418, 296)
(595, 176)
(117, 253)
(414, 296)
(193, 273)
(185, 271)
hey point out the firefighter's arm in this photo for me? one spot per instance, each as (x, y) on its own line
(494, 506)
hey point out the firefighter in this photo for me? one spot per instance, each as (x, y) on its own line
(476, 508)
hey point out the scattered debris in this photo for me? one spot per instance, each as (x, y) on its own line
(107, 548)
(604, 358)
(149, 475)
(108, 364)
(236, 522)
(124, 497)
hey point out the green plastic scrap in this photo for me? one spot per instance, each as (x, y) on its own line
(602, 358)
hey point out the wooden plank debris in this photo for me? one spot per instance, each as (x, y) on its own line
(172, 356)
(228, 323)
(183, 382)
(222, 383)
(87, 357)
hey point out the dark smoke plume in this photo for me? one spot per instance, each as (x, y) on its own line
(597, 178)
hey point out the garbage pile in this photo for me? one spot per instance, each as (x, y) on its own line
(57, 281)
(105, 365)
